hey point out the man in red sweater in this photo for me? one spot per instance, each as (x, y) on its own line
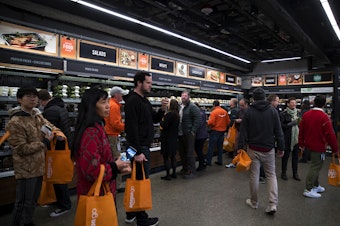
(315, 133)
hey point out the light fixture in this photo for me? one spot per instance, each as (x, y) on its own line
(330, 16)
(280, 59)
(207, 10)
(158, 29)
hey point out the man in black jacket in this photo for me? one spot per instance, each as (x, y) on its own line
(259, 128)
(139, 120)
(55, 113)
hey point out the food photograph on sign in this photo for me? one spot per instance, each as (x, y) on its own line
(127, 58)
(256, 81)
(282, 80)
(294, 79)
(213, 76)
(181, 69)
(143, 61)
(223, 77)
(27, 39)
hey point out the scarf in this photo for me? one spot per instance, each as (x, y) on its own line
(295, 129)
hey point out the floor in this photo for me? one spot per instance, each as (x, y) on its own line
(216, 197)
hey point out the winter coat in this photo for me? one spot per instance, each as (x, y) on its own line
(285, 119)
(191, 119)
(169, 133)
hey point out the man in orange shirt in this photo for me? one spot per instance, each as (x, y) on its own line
(218, 122)
(114, 124)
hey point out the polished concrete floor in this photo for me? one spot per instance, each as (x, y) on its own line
(216, 197)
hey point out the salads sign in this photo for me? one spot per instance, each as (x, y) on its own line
(28, 40)
(97, 53)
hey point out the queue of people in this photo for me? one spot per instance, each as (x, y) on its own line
(184, 127)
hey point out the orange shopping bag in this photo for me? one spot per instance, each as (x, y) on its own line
(334, 172)
(96, 209)
(137, 196)
(47, 194)
(242, 161)
(230, 139)
(59, 165)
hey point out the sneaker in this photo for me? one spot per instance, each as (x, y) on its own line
(45, 206)
(148, 222)
(311, 194)
(271, 209)
(262, 180)
(319, 189)
(250, 203)
(230, 165)
(130, 220)
(58, 212)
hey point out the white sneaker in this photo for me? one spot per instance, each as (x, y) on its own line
(271, 209)
(311, 194)
(319, 189)
(250, 203)
(230, 165)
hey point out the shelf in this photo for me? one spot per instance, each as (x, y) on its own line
(72, 100)
(8, 99)
(155, 149)
(3, 113)
(8, 173)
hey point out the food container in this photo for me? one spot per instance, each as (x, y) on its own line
(25, 40)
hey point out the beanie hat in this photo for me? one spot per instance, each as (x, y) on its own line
(259, 94)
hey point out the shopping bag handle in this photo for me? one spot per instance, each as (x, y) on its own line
(95, 188)
(133, 174)
(53, 143)
(333, 158)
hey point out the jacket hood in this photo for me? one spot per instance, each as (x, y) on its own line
(261, 105)
(17, 111)
(57, 101)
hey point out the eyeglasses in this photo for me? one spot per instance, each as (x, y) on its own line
(30, 96)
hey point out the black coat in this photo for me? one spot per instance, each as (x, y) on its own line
(169, 133)
(285, 119)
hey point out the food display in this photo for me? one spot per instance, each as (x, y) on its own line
(294, 79)
(25, 40)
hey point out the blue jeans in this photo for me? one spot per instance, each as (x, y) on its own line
(215, 140)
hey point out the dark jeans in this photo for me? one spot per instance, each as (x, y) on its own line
(199, 144)
(186, 151)
(62, 194)
(215, 140)
(295, 158)
(27, 194)
(141, 215)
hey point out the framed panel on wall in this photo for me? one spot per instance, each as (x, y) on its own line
(163, 65)
(181, 69)
(143, 61)
(282, 79)
(127, 58)
(270, 80)
(256, 81)
(318, 78)
(68, 47)
(294, 79)
(96, 53)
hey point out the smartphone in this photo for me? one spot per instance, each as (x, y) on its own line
(46, 129)
(129, 154)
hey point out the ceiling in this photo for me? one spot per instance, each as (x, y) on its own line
(252, 29)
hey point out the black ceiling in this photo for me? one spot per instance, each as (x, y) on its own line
(252, 29)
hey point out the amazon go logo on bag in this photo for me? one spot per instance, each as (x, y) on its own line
(94, 216)
(49, 170)
(332, 174)
(132, 196)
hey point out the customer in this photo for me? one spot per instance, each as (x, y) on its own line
(55, 113)
(200, 138)
(169, 139)
(316, 132)
(232, 111)
(259, 129)
(218, 122)
(274, 100)
(139, 119)
(28, 146)
(91, 147)
(114, 125)
(306, 153)
(190, 122)
(244, 104)
(289, 122)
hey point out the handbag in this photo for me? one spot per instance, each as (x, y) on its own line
(137, 196)
(59, 166)
(334, 172)
(230, 139)
(47, 194)
(95, 209)
(242, 161)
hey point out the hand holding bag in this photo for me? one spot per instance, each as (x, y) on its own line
(93, 209)
(242, 161)
(59, 166)
(137, 196)
(334, 172)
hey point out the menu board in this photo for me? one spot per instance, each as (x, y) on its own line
(127, 58)
(282, 80)
(143, 61)
(256, 81)
(213, 76)
(162, 65)
(318, 78)
(68, 47)
(181, 69)
(230, 79)
(27, 39)
(270, 80)
(294, 79)
(97, 53)
(196, 72)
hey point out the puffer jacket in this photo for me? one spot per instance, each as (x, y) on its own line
(26, 142)
(191, 119)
